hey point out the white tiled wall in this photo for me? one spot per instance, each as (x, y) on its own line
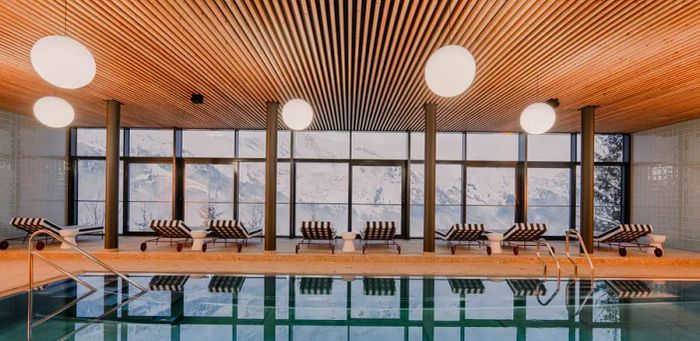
(666, 182)
(32, 171)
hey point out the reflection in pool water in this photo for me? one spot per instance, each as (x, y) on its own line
(237, 307)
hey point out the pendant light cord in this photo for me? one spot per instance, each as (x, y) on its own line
(65, 17)
(449, 16)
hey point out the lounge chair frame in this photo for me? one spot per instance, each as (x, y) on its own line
(464, 235)
(317, 232)
(226, 230)
(175, 231)
(379, 233)
(628, 238)
(31, 225)
(532, 232)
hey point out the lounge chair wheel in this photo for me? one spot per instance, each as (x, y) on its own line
(179, 247)
(515, 250)
(40, 245)
(658, 252)
(453, 249)
(4, 245)
(143, 247)
(204, 247)
(622, 251)
(364, 248)
(239, 247)
(398, 248)
(488, 250)
(296, 249)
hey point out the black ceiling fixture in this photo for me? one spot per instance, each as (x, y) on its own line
(554, 102)
(197, 98)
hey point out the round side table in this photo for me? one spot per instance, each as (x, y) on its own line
(495, 240)
(349, 241)
(69, 236)
(198, 239)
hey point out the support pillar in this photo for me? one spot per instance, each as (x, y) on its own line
(587, 174)
(429, 190)
(112, 176)
(271, 176)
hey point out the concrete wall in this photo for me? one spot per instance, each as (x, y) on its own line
(666, 182)
(32, 171)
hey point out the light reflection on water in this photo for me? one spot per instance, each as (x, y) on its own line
(237, 307)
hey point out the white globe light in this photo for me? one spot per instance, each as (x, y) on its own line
(297, 114)
(537, 118)
(450, 70)
(53, 111)
(62, 61)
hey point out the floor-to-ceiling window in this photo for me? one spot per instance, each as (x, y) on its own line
(348, 178)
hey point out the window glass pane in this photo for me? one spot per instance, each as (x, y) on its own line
(147, 142)
(92, 142)
(492, 147)
(251, 195)
(322, 193)
(548, 198)
(371, 145)
(607, 197)
(448, 184)
(449, 146)
(208, 143)
(491, 196)
(91, 188)
(253, 142)
(608, 147)
(448, 197)
(417, 146)
(208, 193)
(376, 195)
(416, 198)
(549, 147)
(150, 192)
(322, 145)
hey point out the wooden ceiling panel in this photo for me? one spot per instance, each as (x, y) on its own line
(360, 63)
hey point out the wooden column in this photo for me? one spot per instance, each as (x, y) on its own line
(429, 190)
(271, 176)
(587, 174)
(112, 176)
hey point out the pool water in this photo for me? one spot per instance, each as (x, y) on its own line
(237, 307)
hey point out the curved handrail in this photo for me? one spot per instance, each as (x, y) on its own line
(585, 252)
(540, 242)
(551, 298)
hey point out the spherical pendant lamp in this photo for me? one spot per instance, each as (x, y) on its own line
(297, 114)
(53, 111)
(62, 61)
(450, 70)
(537, 118)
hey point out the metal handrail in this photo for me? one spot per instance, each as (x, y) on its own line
(92, 289)
(551, 253)
(585, 253)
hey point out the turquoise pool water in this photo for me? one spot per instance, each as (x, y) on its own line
(236, 307)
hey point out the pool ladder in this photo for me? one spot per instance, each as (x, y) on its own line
(550, 250)
(585, 252)
(91, 289)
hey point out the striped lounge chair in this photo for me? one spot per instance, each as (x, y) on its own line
(523, 234)
(31, 225)
(463, 234)
(231, 229)
(317, 231)
(381, 231)
(316, 285)
(226, 284)
(168, 283)
(174, 230)
(627, 235)
(376, 286)
(527, 287)
(463, 286)
(629, 289)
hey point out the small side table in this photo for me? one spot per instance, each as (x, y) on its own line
(655, 241)
(495, 239)
(69, 236)
(198, 239)
(349, 241)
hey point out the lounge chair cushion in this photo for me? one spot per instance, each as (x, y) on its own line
(227, 284)
(168, 283)
(317, 230)
(462, 232)
(624, 233)
(231, 229)
(629, 288)
(31, 225)
(379, 230)
(316, 285)
(466, 285)
(379, 286)
(525, 232)
(526, 287)
(170, 228)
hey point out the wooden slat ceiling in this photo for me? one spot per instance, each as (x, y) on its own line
(360, 63)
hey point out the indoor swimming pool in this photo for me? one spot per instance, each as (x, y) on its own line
(293, 307)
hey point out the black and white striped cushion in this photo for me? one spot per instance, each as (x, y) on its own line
(526, 287)
(168, 283)
(379, 230)
(170, 228)
(629, 288)
(379, 286)
(317, 230)
(464, 232)
(231, 229)
(228, 284)
(466, 285)
(316, 285)
(525, 232)
(31, 225)
(624, 233)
